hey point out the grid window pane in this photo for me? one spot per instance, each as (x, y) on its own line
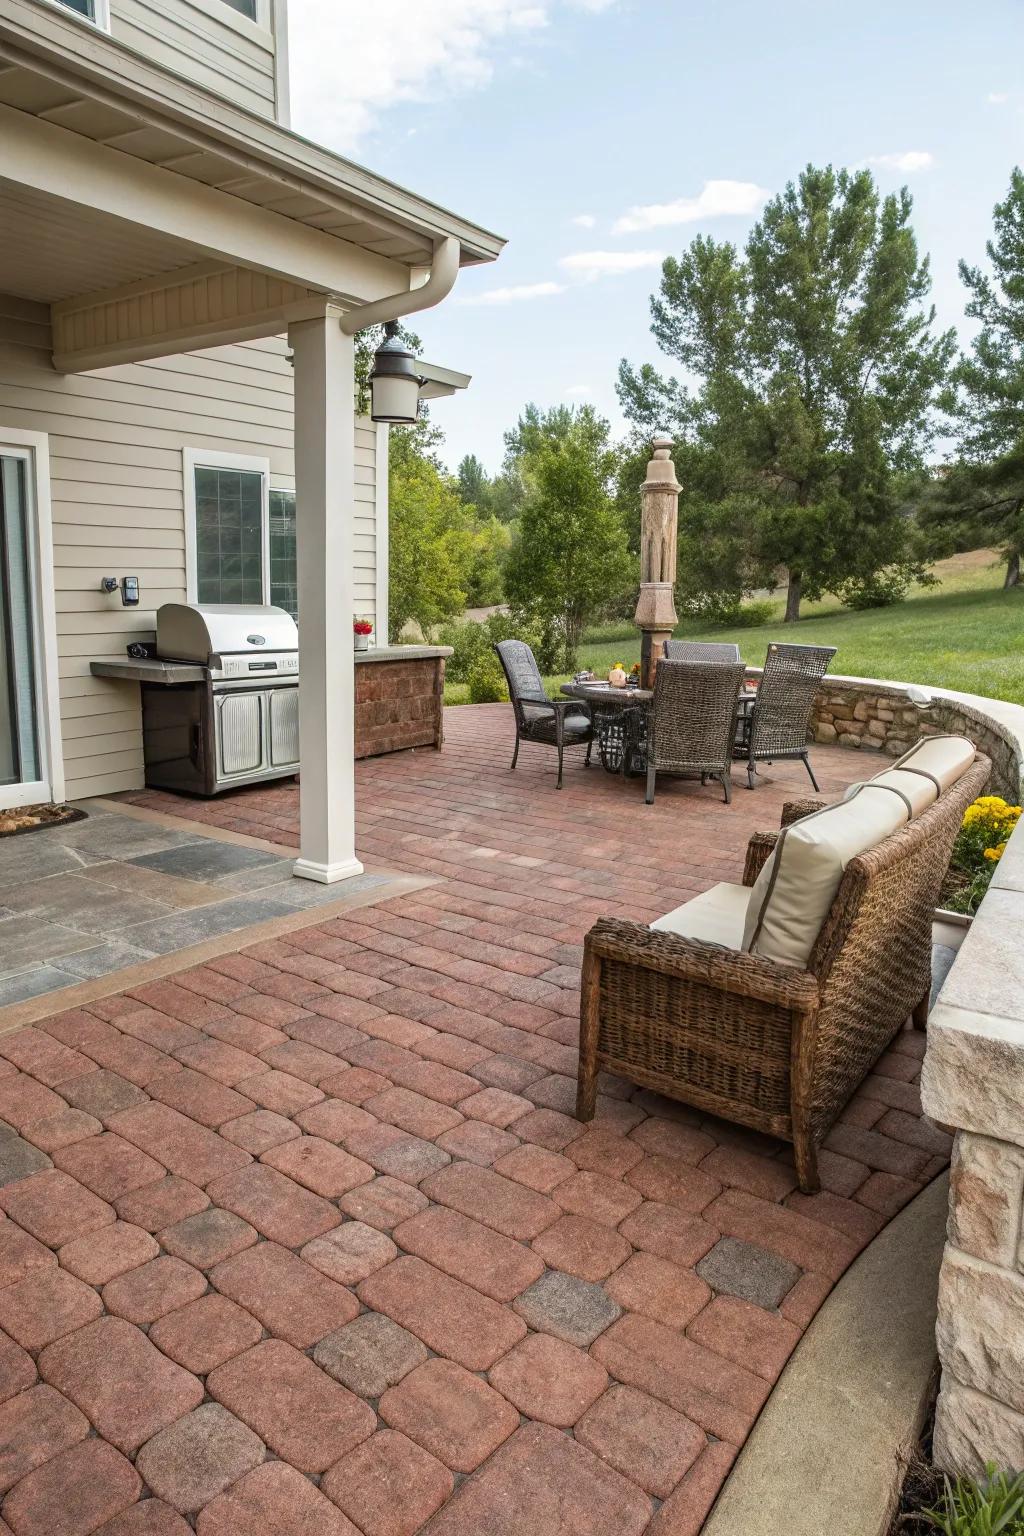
(229, 536)
(284, 590)
(83, 7)
(247, 7)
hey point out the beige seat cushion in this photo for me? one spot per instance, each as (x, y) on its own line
(715, 916)
(920, 775)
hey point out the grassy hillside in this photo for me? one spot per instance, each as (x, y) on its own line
(966, 634)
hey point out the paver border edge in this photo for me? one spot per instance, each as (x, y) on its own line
(826, 1452)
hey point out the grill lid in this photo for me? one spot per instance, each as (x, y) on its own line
(197, 631)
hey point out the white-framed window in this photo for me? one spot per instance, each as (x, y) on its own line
(97, 12)
(248, 8)
(239, 532)
(31, 761)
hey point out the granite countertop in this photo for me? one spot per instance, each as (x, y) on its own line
(167, 673)
(404, 653)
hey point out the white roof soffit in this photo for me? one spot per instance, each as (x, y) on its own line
(54, 68)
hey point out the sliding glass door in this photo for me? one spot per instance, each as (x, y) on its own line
(21, 758)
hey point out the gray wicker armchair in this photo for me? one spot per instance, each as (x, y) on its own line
(557, 723)
(781, 716)
(776, 1047)
(692, 723)
(700, 650)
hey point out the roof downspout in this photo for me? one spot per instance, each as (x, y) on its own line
(439, 284)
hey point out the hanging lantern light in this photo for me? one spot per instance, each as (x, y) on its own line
(394, 382)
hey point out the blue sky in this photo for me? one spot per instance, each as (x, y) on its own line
(536, 117)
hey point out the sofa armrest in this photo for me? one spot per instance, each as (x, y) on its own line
(759, 851)
(710, 965)
(796, 810)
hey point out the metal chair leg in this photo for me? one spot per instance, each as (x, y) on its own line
(515, 754)
(652, 774)
(727, 786)
(751, 774)
(561, 750)
(810, 770)
(590, 748)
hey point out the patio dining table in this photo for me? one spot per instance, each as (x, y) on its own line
(620, 722)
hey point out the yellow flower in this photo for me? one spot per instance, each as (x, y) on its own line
(995, 854)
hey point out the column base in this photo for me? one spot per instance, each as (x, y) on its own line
(327, 874)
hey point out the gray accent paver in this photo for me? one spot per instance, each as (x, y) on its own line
(571, 1309)
(19, 1159)
(742, 1269)
(369, 1354)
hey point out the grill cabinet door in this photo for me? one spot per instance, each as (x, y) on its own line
(283, 709)
(240, 733)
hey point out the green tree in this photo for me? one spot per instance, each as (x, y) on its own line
(474, 482)
(569, 556)
(815, 367)
(981, 500)
(431, 534)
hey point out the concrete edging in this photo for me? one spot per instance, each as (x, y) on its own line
(825, 1453)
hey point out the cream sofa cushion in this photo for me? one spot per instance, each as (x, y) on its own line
(797, 886)
(792, 895)
(715, 916)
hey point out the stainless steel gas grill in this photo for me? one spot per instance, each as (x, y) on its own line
(224, 709)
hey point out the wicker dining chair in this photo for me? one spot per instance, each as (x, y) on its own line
(557, 723)
(781, 716)
(701, 650)
(692, 723)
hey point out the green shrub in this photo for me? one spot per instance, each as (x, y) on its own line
(470, 641)
(487, 681)
(753, 615)
(878, 591)
(711, 607)
(994, 1507)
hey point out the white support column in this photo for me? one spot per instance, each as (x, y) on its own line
(325, 506)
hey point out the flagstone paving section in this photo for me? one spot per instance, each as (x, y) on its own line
(306, 1241)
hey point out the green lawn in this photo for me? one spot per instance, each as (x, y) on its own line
(966, 634)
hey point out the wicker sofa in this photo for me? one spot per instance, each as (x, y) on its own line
(742, 1005)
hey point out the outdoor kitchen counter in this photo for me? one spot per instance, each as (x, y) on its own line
(399, 692)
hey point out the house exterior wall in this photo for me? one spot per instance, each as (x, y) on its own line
(206, 40)
(117, 441)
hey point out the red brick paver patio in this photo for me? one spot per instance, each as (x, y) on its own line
(306, 1241)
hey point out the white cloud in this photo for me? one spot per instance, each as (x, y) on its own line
(578, 391)
(998, 98)
(908, 160)
(594, 6)
(594, 264)
(583, 220)
(347, 68)
(717, 199)
(517, 295)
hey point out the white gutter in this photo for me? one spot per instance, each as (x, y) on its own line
(439, 284)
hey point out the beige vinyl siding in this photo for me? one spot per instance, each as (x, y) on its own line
(207, 42)
(117, 440)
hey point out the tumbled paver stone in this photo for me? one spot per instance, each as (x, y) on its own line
(350, 1252)
(496, 1201)
(258, 1132)
(108, 1165)
(308, 1419)
(46, 1306)
(742, 1269)
(383, 1203)
(450, 1412)
(549, 1380)
(101, 1256)
(581, 1247)
(659, 1289)
(319, 1166)
(388, 1485)
(645, 1440)
(150, 1517)
(194, 1460)
(369, 1354)
(205, 1333)
(102, 1093)
(208, 1237)
(190, 1151)
(74, 1493)
(20, 1254)
(34, 1426)
(160, 1205)
(17, 1368)
(467, 1250)
(114, 1374)
(275, 1205)
(19, 1158)
(541, 1481)
(61, 1129)
(451, 1318)
(571, 1309)
(54, 1207)
(146, 1293)
(274, 1500)
(290, 1297)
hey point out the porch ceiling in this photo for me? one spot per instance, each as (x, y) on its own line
(53, 249)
